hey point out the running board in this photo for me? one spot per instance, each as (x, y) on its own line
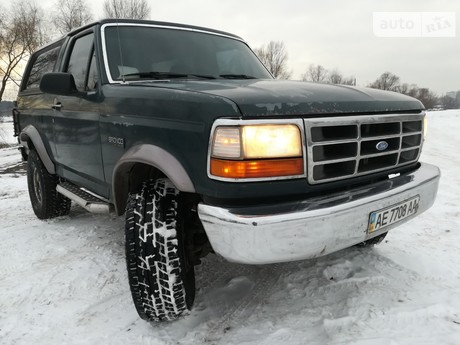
(86, 200)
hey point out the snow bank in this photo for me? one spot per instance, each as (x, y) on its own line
(6, 133)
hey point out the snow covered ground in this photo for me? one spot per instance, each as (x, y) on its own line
(64, 281)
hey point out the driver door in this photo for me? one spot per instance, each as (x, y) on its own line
(76, 120)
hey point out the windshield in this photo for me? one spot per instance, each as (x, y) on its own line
(146, 52)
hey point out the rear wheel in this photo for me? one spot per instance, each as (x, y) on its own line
(161, 279)
(46, 201)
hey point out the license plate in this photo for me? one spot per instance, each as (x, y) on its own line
(390, 215)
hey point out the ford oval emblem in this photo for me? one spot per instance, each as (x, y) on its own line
(381, 145)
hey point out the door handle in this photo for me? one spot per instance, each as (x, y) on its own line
(57, 106)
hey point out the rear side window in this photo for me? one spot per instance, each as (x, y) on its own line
(44, 63)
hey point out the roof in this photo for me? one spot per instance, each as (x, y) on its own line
(156, 23)
(138, 21)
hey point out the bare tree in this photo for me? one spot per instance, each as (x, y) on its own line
(2, 21)
(404, 88)
(349, 81)
(410, 90)
(274, 56)
(427, 97)
(448, 102)
(387, 81)
(71, 14)
(424, 95)
(127, 9)
(316, 73)
(20, 35)
(335, 77)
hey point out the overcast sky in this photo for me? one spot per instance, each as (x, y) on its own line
(337, 34)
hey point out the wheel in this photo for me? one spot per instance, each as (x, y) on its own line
(46, 201)
(373, 241)
(161, 279)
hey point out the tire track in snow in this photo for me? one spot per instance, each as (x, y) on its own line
(211, 275)
(267, 278)
(215, 269)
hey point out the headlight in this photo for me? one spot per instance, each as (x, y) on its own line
(271, 141)
(227, 142)
(256, 151)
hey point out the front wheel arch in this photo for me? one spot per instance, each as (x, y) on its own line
(141, 162)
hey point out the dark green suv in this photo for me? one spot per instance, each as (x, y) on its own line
(184, 131)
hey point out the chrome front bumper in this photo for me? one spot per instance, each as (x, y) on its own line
(315, 226)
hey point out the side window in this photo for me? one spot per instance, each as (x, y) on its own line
(79, 62)
(44, 63)
(92, 74)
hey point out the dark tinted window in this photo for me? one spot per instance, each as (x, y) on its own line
(79, 60)
(149, 49)
(93, 78)
(44, 63)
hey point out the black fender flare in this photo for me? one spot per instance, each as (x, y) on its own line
(31, 134)
(151, 155)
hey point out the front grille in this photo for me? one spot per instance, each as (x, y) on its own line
(344, 147)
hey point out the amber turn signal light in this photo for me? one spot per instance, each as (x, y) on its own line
(256, 168)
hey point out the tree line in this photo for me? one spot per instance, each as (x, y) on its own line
(23, 29)
(274, 56)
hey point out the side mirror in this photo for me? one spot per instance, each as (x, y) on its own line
(59, 84)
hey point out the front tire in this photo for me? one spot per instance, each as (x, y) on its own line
(46, 201)
(161, 279)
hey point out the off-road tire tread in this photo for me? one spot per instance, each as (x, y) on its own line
(152, 252)
(53, 203)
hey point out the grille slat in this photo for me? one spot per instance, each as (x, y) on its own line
(408, 156)
(333, 133)
(412, 126)
(344, 147)
(380, 129)
(379, 154)
(377, 163)
(338, 160)
(333, 170)
(335, 151)
(411, 141)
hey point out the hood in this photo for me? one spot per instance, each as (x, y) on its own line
(277, 97)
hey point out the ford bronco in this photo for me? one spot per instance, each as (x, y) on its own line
(183, 130)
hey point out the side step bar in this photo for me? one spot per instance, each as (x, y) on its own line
(86, 200)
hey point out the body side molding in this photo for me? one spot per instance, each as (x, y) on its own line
(150, 155)
(32, 134)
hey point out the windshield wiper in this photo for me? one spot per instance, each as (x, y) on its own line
(237, 76)
(166, 75)
(201, 76)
